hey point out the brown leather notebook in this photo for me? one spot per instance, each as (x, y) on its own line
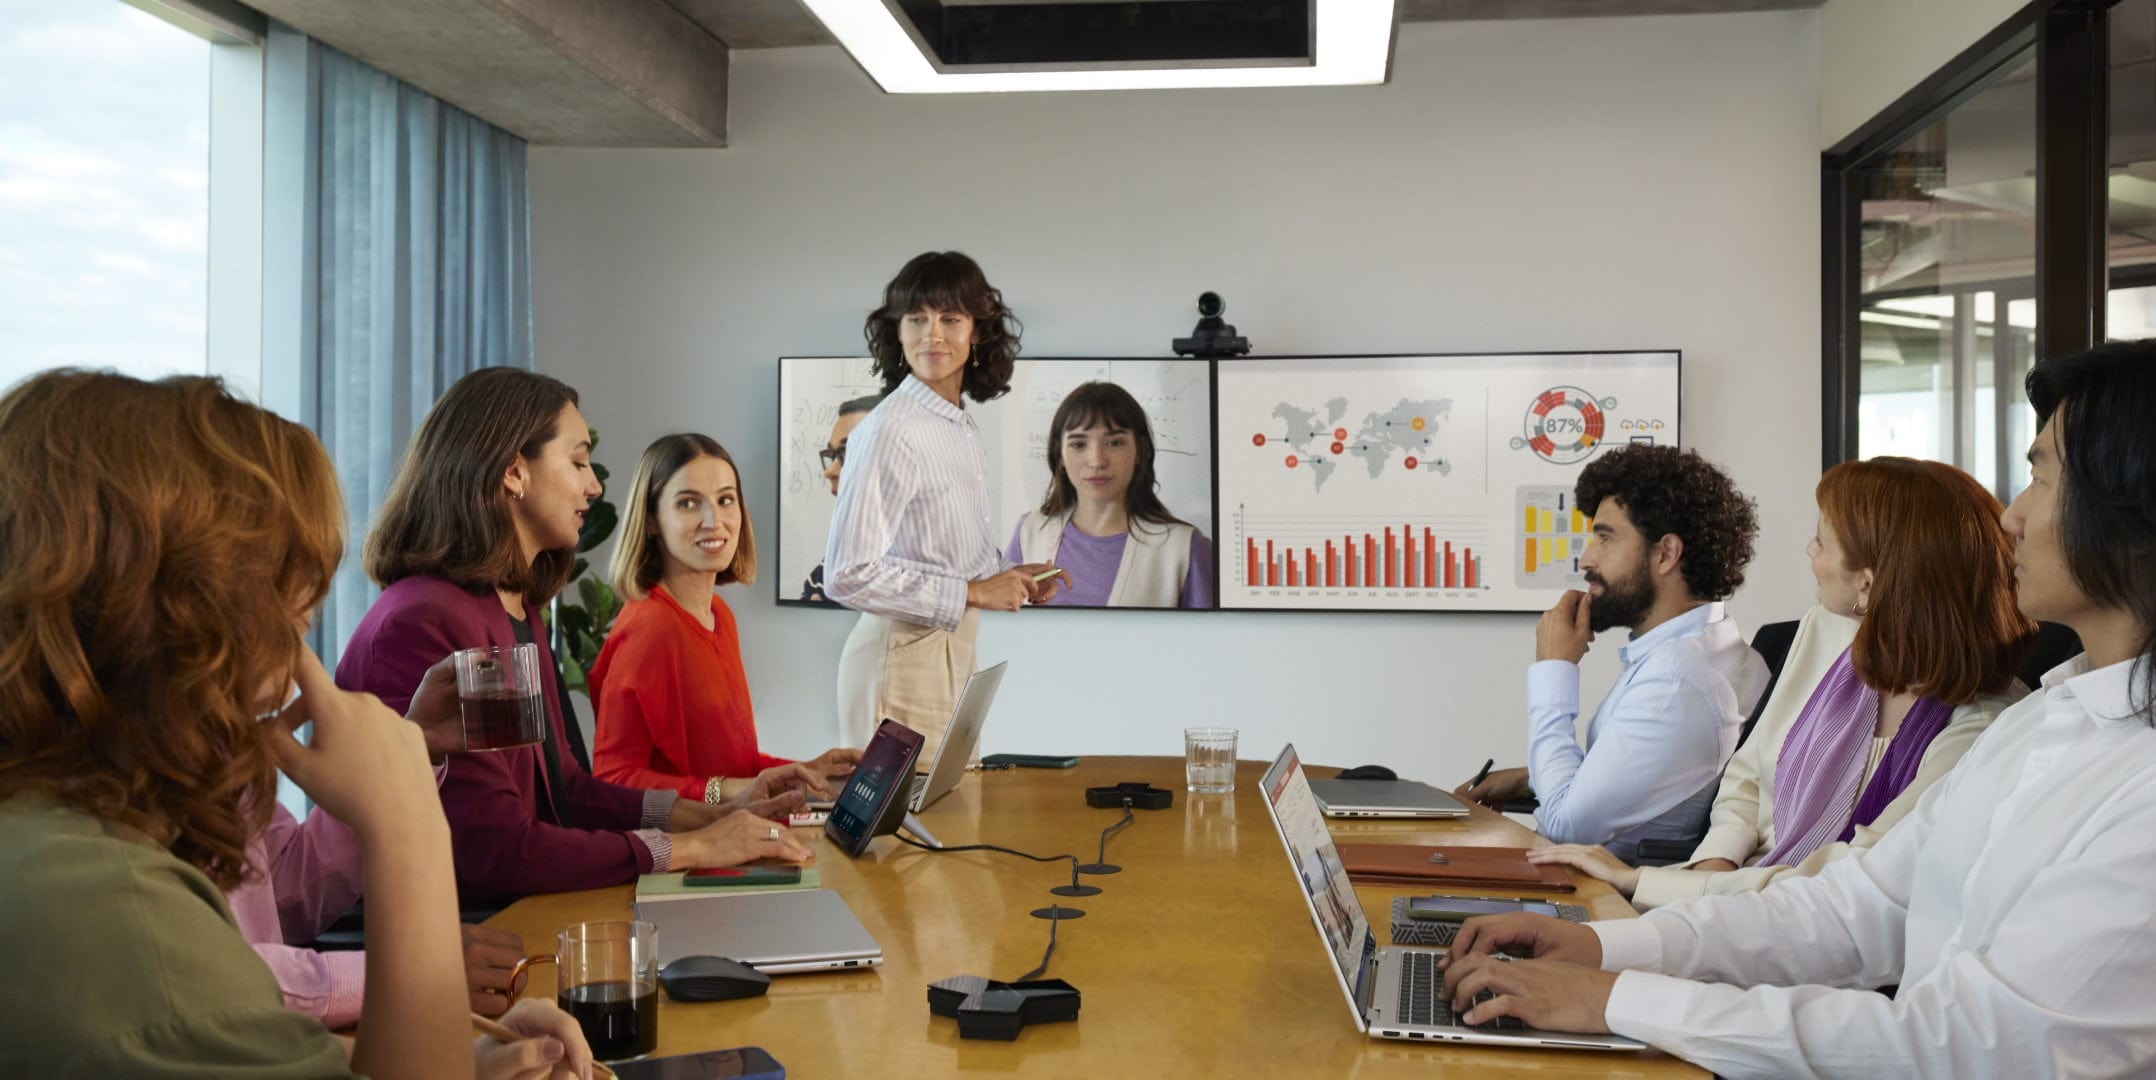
(1482, 867)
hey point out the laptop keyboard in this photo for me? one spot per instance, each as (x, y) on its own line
(1423, 1000)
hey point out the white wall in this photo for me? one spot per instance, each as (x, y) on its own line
(1628, 183)
(1874, 51)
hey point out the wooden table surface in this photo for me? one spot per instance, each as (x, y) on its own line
(1199, 959)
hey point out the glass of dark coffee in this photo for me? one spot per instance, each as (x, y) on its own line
(609, 980)
(498, 687)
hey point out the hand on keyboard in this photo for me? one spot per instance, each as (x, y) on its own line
(1546, 994)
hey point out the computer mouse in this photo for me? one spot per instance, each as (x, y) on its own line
(1367, 772)
(712, 978)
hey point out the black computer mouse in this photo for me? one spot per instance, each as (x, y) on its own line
(1367, 772)
(712, 978)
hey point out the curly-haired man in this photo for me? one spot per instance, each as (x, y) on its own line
(1671, 539)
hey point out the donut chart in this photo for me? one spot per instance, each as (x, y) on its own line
(1564, 425)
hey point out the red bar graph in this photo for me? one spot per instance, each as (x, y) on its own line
(1392, 558)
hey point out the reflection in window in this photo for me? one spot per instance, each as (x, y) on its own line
(104, 190)
(1948, 257)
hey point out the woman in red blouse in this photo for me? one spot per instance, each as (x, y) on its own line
(672, 698)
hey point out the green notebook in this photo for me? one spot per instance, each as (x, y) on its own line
(670, 886)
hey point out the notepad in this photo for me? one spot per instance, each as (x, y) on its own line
(670, 886)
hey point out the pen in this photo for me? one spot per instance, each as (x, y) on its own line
(1048, 573)
(1484, 774)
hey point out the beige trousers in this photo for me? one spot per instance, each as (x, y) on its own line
(905, 672)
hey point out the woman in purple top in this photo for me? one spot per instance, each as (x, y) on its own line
(1102, 520)
(479, 531)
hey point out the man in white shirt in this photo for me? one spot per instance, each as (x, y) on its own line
(2012, 906)
(1671, 538)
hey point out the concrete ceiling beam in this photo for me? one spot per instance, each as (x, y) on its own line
(554, 72)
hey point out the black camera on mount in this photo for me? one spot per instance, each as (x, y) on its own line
(1213, 336)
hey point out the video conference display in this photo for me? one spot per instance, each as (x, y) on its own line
(1411, 482)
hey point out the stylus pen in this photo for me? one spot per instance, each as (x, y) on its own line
(1484, 774)
(1048, 573)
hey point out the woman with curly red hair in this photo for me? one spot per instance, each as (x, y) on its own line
(162, 547)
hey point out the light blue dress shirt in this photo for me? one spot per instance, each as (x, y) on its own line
(1657, 743)
(911, 527)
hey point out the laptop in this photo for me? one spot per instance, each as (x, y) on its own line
(774, 932)
(1396, 992)
(1384, 799)
(956, 749)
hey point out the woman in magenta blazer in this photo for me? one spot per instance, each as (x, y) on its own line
(480, 530)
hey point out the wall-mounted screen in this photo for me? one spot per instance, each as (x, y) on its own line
(1152, 564)
(1421, 483)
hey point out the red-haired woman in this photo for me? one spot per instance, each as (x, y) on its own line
(162, 548)
(1909, 656)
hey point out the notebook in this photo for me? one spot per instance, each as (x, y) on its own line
(1486, 867)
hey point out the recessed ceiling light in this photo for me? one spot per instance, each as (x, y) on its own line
(957, 47)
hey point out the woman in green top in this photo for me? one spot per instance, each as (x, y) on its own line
(162, 547)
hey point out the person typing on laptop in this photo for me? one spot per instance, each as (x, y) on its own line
(1671, 538)
(2011, 907)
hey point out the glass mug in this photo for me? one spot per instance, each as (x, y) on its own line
(498, 689)
(609, 980)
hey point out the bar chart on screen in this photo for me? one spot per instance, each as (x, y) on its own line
(1420, 483)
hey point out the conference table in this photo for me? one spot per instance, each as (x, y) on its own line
(1197, 959)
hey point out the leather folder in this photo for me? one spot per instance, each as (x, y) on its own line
(1480, 867)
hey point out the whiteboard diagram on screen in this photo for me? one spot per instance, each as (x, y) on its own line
(1426, 483)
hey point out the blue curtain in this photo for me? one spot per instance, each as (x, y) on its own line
(418, 249)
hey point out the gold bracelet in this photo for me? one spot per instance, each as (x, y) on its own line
(715, 791)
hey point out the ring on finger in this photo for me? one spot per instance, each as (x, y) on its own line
(771, 832)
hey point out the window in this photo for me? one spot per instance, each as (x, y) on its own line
(1963, 238)
(1947, 258)
(104, 190)
(2130, 234)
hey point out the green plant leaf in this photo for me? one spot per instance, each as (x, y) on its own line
(599, 471)
(572, 676)
(599, 523)
(577, 568)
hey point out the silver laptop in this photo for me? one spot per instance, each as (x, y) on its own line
(773, 932)
(1384, 799)
(1396, 992)
(956, 747)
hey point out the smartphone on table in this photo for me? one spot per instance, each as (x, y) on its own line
(1031, 761)
(1463, 908)
(741, 1063)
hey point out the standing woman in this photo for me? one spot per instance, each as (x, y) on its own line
(478, 532)
(911, 546)
(1102, 516)
(672, 697)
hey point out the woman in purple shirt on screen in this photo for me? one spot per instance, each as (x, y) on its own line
(478, 532)
(1102, 519)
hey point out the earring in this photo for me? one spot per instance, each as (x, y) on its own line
(1860, 609)
(517, 495)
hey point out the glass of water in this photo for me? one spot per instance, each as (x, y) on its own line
(1209, 759)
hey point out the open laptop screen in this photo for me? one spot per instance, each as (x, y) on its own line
(1317, 865)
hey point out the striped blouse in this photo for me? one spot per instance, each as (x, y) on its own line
(912, 523)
